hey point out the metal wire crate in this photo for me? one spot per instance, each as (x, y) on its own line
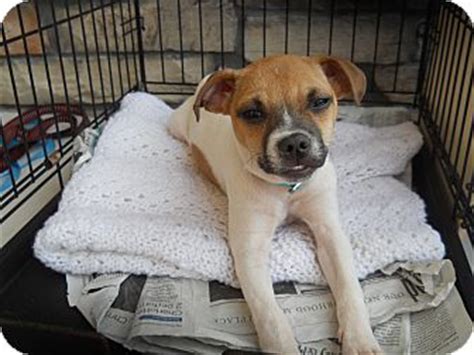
(71, 58)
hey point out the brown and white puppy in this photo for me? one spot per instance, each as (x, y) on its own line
(261, 134)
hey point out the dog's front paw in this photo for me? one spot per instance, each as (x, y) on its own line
(357, 341)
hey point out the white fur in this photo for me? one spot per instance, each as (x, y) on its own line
(256, 208)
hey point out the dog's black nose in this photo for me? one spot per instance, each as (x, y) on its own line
(294, 147)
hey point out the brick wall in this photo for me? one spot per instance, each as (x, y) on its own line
(328, 19)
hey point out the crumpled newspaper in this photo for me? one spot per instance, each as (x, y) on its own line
(413, 307)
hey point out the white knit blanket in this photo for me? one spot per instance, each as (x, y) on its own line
(140, 206)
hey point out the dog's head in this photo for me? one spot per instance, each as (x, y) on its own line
(283, 109)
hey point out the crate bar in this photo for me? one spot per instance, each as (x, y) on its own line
(173, 84)
(32, 80)
(180, 36)
(221, 18)
(135, 66)
(470, 188)
(426, 48)
(308, 27)
(467, 64)
(47, 27)
(48, 75)
(434, 95)
(117, 49)
(469, 142)
(107, 50)
(160, 36)
(331, 26)
(456, 52)
(287, 29)
(74, 58)
(448, 68)
(354, 28)
(125, 47)
(435, 39)
(17, 104)
(129, 31)
(243, 32)
(108, 110)
(376, 43)
(264, 28)
(439, 37)
(6, 156)
(160, 92)
(442, 66)
(129, 21)
(88, 64)
(399, 44)
(156, 82)
(63, 75)
(201, 37)
(99, 61)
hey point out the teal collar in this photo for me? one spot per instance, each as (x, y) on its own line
(291, 186)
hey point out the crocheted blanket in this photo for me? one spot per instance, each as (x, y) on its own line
(140, 206)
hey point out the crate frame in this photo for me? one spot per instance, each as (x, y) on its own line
(447, 191)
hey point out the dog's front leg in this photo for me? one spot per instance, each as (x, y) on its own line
(250, 232)
(335, 257)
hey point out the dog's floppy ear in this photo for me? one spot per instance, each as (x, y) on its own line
(216, 92)
(346, 79)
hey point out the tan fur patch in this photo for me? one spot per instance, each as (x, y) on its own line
(202, 164)
(347, 80)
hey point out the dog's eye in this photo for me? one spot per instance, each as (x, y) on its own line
(319, 103)
(252, 115)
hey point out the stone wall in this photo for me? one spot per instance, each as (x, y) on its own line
(204, 46)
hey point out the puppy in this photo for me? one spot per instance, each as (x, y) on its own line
(261, 134)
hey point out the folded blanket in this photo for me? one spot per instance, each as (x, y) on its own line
(140, 206)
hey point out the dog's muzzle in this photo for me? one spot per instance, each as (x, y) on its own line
(295, 156)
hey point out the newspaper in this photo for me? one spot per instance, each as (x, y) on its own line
(414, 308)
